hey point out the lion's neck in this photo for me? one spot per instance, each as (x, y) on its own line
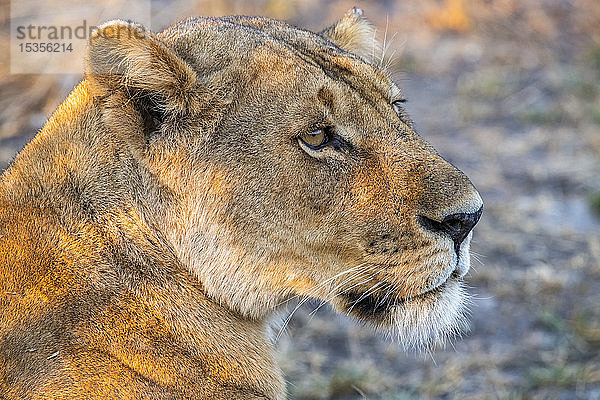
(238, 281)
(123, 231)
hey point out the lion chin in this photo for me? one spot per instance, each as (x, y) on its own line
(421, 322)
(430, 320)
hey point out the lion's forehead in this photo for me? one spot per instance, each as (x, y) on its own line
(274, 46)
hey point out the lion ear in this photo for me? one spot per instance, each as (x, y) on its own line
(355, 34)
(126, 55)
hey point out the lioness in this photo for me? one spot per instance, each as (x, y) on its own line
(196, 180)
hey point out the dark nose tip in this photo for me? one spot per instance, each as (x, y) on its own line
(456, 226)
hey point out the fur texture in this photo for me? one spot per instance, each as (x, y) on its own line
(170, 206)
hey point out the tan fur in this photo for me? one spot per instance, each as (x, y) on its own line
(168, 208)
(356, 35)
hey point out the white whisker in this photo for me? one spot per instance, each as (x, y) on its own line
(364, 295)
(342, 292)
(308, 294)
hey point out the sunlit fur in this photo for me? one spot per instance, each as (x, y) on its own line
(169, 208)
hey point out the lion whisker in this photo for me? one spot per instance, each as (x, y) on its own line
(308, 295)
(313, 288)
(339, 293)
(391, 288)
(364, 295)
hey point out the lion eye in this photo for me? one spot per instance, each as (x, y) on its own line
(315, 139)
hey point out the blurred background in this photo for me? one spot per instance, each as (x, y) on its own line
(508, 91)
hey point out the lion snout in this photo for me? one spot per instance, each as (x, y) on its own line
(456, 226)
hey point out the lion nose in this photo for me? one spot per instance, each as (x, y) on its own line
(456, 226)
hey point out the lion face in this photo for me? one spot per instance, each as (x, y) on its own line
(296, 172)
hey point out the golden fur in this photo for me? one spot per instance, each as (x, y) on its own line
(168, 208)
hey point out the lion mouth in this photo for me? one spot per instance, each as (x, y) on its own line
(421, 321)
(377, 305)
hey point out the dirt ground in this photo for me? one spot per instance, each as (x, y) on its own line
(508, 91)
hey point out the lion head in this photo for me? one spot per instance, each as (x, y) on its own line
(287, 166)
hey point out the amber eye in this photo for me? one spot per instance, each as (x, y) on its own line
(314, 139)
